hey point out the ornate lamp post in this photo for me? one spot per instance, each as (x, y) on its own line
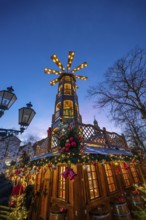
(26, 114)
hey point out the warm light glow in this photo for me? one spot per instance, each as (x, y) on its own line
(81, 77)
(67, 89)
(70, 59)
(110, 177)
(125, 174)
(54, 81)
(92, 181)
(57, 61)
(49, 71)
(134, 173)
(69, 63)
(61, 183)
(83, 65)
(8, 162)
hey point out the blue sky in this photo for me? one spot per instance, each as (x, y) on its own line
(99, 32)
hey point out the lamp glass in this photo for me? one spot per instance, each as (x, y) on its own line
(25, 116)
(7, 99)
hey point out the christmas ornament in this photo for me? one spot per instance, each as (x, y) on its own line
(65, 173)
(126, 166)
(72, 174)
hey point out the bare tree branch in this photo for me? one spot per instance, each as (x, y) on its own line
(125, 84)
(124, 93)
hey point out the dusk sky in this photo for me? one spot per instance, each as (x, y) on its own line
(99, 32)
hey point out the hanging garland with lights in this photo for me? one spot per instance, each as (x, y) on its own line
(71, 150)
(75, 159)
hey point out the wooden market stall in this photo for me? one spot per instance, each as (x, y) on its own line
(97, 189)
(88, 172)
(96, 183)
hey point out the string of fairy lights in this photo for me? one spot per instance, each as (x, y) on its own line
(56, 60)
(70, 59)
(71, 158)
(49, 71)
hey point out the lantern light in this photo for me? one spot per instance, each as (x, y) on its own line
(26, 115)
(7, 99)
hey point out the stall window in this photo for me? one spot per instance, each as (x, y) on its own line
(67, 78)
(58, 106)
(61, 183)
(68, 104)
(68, 109)
(125, 174)
(57, 113)
(110, 177)
(93, 182)
(67, 89)
(134, 173)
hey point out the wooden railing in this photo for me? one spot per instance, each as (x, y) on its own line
(94, 136)
(97, 137)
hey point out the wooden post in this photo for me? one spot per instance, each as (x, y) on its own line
(38, 183)
(49, 131)
(106, 137)
(79, 196)
(45, 195)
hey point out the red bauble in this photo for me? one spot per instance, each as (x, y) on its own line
(67, 149)
(136, 192)
(69, 128)
(17, 190)
(67, 145)
(73, 144)
(121, 199)
(59, 149)
(17, 172)
(83, 147)
(71, 139)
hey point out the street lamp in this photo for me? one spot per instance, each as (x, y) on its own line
(26, 114)
(7, 99)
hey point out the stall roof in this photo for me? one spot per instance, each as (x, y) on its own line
(92, 150)
(41, 156)
(106, 151)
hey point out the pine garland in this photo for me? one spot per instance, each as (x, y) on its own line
(19, 211)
